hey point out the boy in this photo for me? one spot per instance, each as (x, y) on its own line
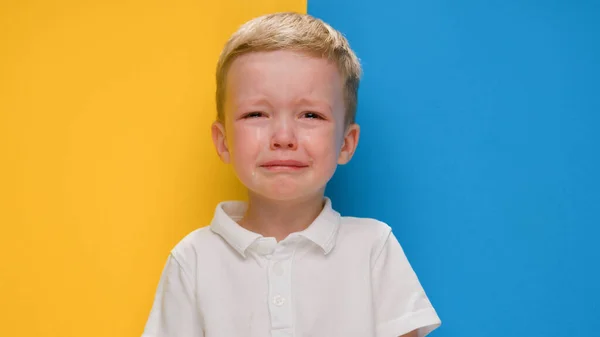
(286, 263)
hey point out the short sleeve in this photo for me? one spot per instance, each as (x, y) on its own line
(400, 302)
(174, 312)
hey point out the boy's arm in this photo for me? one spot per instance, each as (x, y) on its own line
(401, 305)
(174, 311)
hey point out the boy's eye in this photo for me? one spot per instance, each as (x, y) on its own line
(254, 114)
(312, 115)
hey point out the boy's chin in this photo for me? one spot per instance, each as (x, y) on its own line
(285, 195)
(282, 188)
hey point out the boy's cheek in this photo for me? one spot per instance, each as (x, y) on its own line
(250, 135)
(322, 144)
(245, 152)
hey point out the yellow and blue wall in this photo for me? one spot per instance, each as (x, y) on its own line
(480, 146)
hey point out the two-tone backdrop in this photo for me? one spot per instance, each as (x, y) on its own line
(480, 147)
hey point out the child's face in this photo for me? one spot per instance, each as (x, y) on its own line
(284, 127)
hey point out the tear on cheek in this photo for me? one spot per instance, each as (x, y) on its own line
(259, 134)
(305, 137)
(254, 177)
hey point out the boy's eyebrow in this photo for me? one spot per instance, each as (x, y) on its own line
(311, 102)
(262, 101)
(254, 101)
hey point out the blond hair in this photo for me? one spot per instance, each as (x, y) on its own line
(297, 32)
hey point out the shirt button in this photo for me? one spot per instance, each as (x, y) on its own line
(278, 269)
(278, 300)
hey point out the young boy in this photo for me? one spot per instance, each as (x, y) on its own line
(286, 263)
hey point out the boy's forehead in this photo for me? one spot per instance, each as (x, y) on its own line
(295, 77)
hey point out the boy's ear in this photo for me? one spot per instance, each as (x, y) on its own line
(220, 141)
(350, 143)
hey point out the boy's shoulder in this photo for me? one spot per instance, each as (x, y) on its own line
(362, 231)
(200, 242)
(360, 225)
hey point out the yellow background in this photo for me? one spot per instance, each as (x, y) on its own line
(106, 157)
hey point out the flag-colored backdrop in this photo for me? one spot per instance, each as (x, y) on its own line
(106, 158)
(479, 147)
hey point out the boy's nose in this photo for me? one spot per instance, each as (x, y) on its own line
(286, 145)
(284, 138)
(278, 142)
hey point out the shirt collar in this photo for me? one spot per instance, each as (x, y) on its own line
(323, 230)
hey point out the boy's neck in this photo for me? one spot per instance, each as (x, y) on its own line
(278, 219)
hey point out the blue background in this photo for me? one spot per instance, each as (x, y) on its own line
(480, 147)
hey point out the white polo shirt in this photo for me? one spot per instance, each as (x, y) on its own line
(341, 277)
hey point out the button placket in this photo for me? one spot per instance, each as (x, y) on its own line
(280, 301)
(278, 268)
